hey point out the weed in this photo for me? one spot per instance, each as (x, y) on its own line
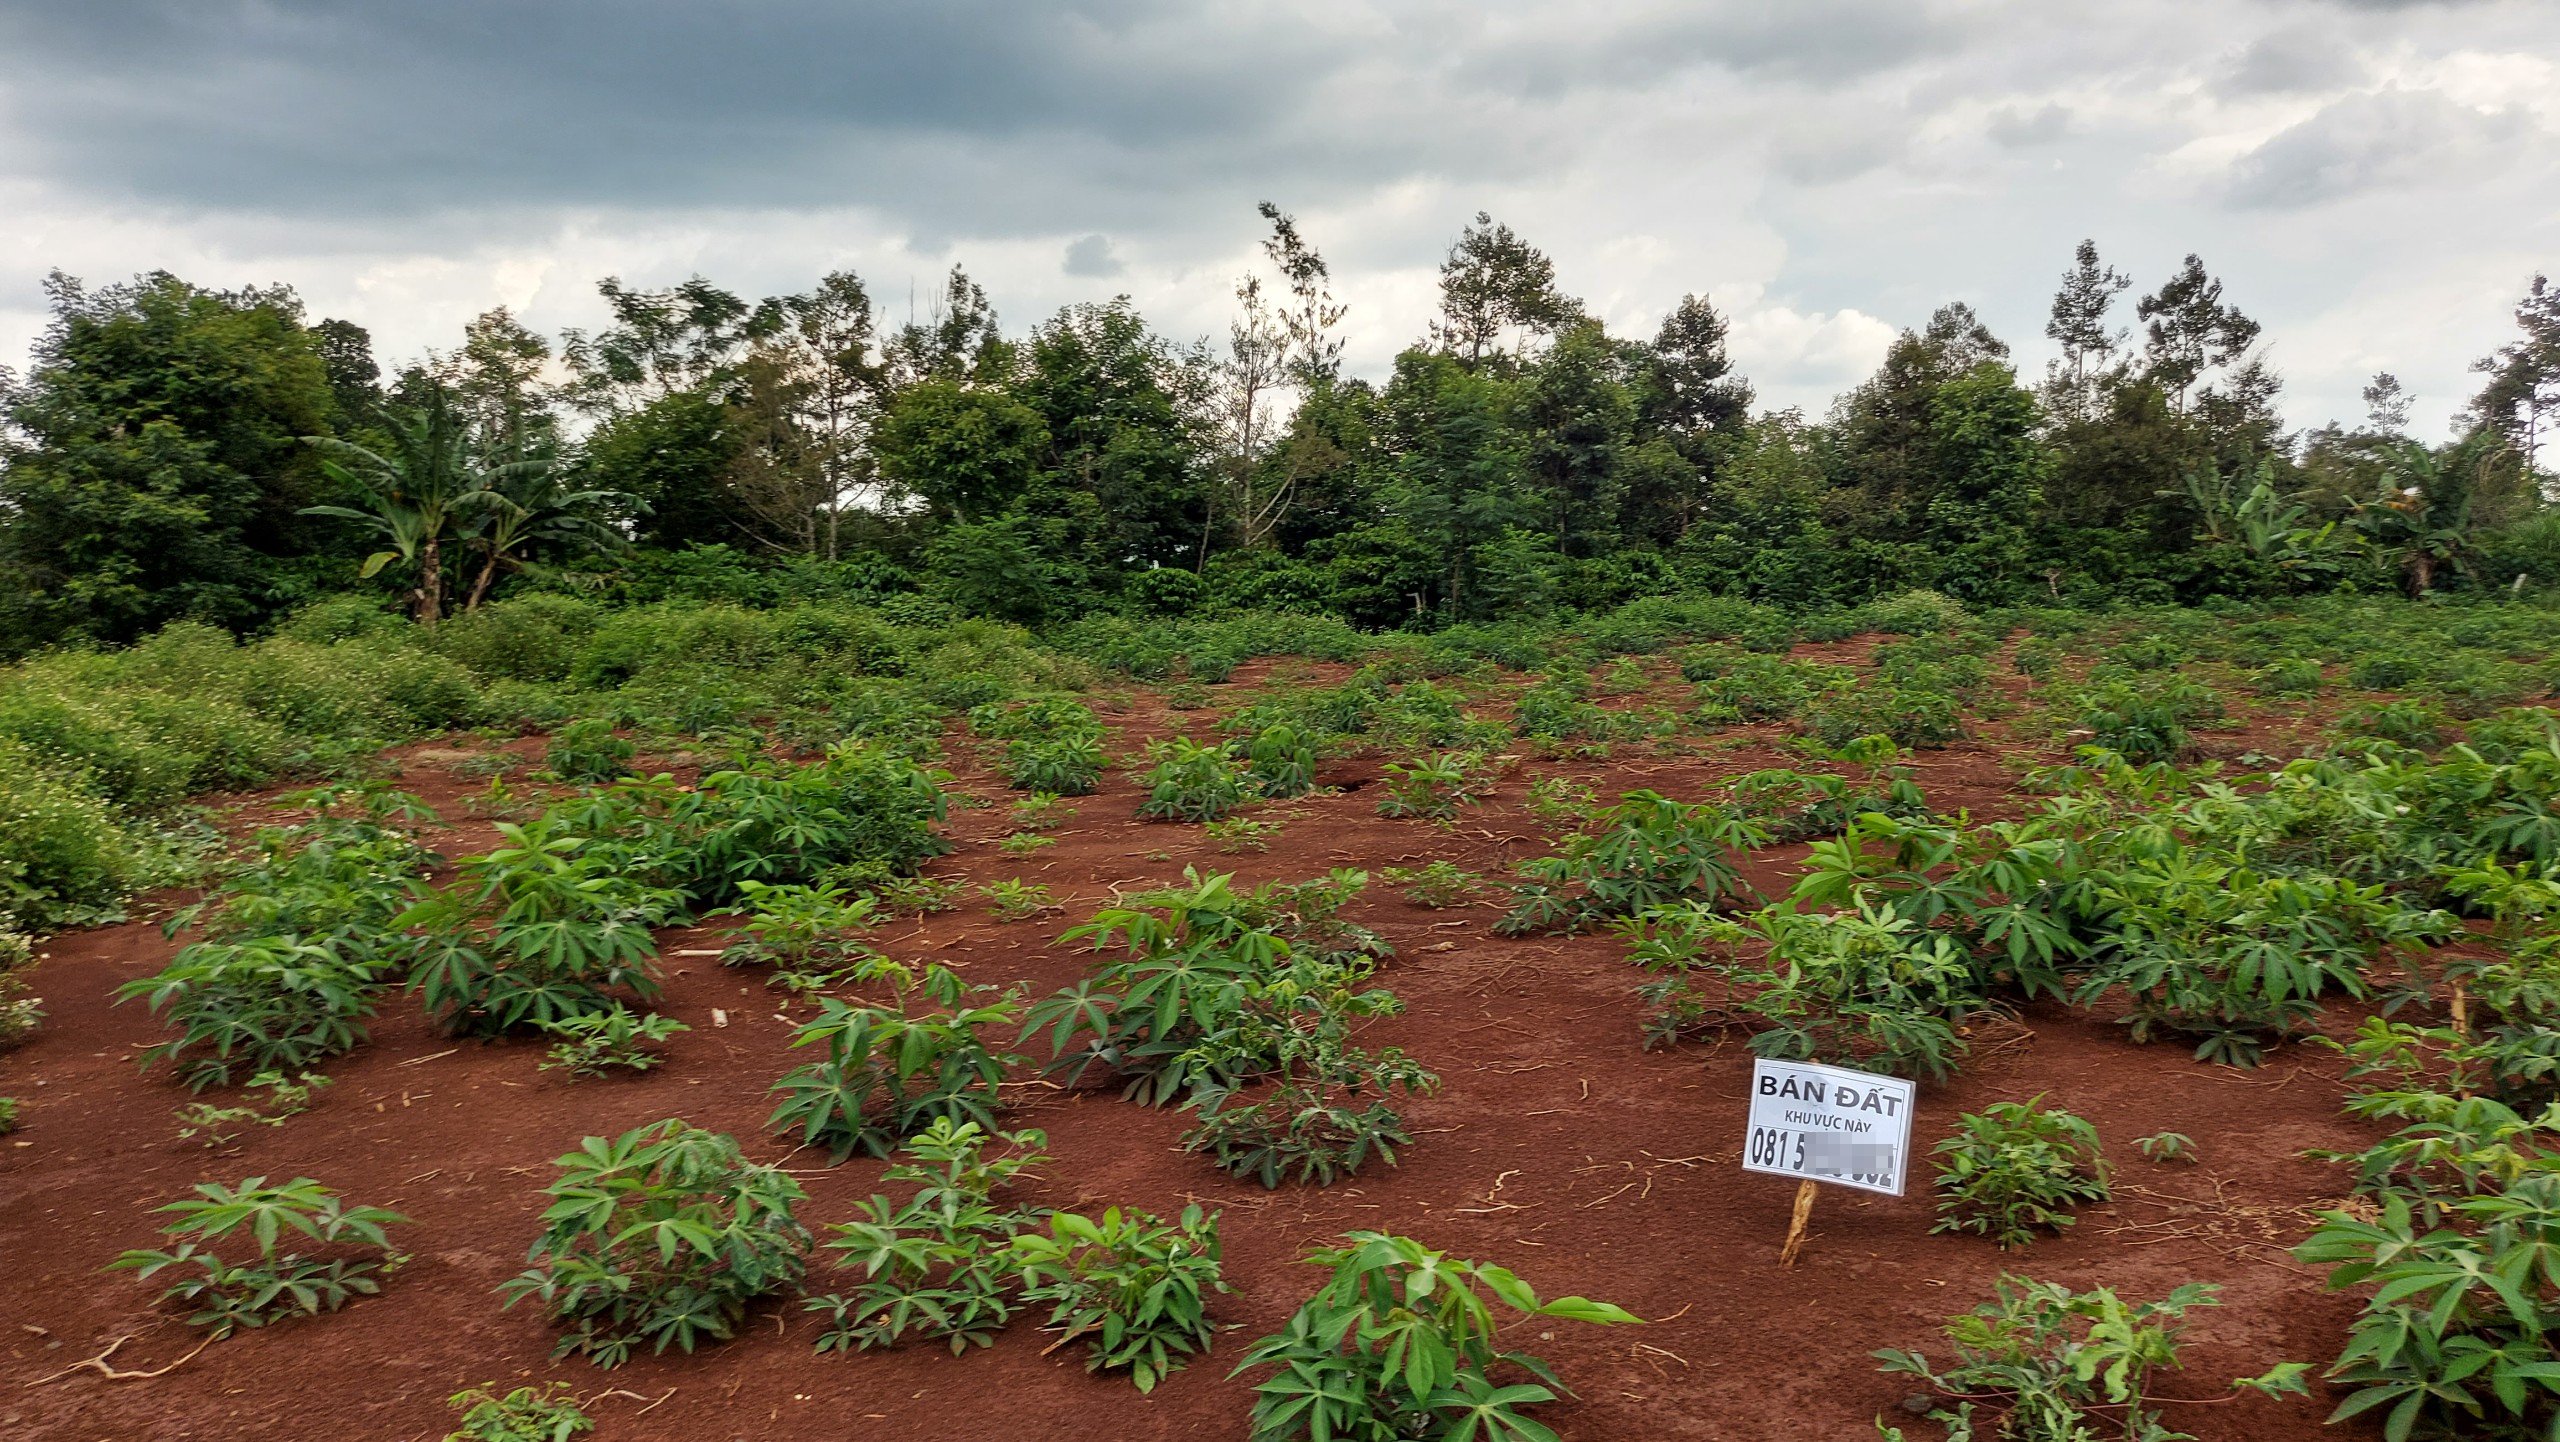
(21, 1011)
(1025, 843)
(1434, 787)
(548, 1413)
(1017, 900)
(220, 1126)
(916, 895)
(1438, 885)
(597, 1043)
(1242, 833)
(588, 751)
(2166, 1147)
(1561, 803)
(1041, 811)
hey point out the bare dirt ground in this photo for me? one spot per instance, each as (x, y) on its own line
(1556, 1146)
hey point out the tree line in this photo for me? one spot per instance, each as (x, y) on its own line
(181, 452)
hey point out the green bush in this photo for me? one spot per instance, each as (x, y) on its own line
(589, 751)
(548, 1413)
(2057, 1366)
(1134, 1287)
(65, 857)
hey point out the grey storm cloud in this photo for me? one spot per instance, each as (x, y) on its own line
(1090, 255)
(1830, 169)
(302, 103)
(2292, 61)
(2390, 137)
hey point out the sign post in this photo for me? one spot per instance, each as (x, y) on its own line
(1821, 1123)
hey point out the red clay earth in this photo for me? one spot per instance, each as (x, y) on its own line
(1556, 1146)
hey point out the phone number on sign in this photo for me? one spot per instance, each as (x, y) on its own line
(1818, 1155)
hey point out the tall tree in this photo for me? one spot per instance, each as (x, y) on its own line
(2078, 324)
(1691, 409)
(355, 377)
(803, 409)
(661, 342)
(957, 340)
(2522, 392)
(1493, 284)
(1882, 429)
(1577, 415)
(496, 380)
(2386, 405)
(969, 454)
(153, 465)
(1279, 350)
(2189, 331)
(1125, 464)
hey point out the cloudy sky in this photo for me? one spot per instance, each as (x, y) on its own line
(2374, 179)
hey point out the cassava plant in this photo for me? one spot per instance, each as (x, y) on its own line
(891, 1072)
(660, 1237)
(1401, 1341)
(1135, 1289)
(2017, 1168)
(307, 1253)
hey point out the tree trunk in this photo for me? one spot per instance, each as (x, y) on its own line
(430, 583)
(480, 584)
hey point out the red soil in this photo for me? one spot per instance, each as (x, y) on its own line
(1556, 1146)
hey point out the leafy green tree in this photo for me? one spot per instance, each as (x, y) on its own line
(1495, 286)
(496, 380)
(674, 456)
(661, 342)
(1450, 481)
(1126, 468)
(959, 342)
(2189, 331)
(1577, 416)
(355, 378)
(968, 453)
(150, 464)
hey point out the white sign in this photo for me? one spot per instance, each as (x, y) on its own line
(1829, 1124)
